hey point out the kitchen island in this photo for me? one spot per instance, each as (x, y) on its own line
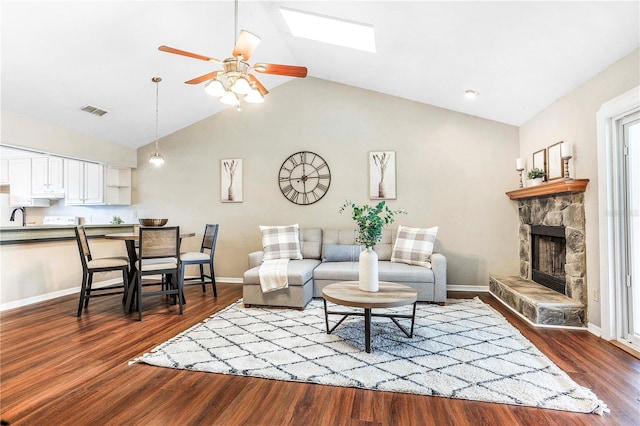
(39, 263)
(38, 234)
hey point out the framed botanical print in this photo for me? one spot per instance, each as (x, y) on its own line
(554, 161)
(540, 160)
(382, 175)
(231, 180)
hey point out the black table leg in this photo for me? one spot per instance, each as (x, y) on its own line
(367, 329)
(131, 286)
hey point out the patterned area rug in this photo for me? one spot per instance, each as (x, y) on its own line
(464, 349)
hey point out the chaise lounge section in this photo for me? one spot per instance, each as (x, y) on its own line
(331, 255)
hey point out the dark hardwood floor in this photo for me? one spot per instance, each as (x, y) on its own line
(57, 369)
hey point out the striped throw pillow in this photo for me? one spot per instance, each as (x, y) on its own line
(281, 242)
(414, 246)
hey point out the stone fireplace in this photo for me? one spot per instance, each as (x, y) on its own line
(562, 212)
(551, 288)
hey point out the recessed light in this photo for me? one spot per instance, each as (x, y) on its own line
(330, 30)
(471, 93)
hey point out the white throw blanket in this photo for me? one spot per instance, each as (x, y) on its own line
(273, 275)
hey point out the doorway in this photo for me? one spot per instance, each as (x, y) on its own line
(618, 123)
(629, 144)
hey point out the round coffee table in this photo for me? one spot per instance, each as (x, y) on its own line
(347, 293)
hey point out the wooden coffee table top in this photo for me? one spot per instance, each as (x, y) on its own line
(348, 293)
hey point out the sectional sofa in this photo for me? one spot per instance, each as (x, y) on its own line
(331, 255)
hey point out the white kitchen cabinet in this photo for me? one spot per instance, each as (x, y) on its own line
(84, 183)
(47, 177)
(20, 185)
(118, 189)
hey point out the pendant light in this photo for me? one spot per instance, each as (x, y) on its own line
(156, 159)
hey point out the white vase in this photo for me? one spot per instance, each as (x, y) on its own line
(368, 270)
(535, 182)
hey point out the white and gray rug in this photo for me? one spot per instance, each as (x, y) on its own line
(464, 350)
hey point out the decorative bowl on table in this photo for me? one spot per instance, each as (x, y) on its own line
(153, 222)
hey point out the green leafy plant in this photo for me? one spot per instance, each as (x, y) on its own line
(371, 220)
(535, 173)
(117, 220)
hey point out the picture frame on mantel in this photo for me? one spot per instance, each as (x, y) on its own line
(554, 161)
(540, 160)
(231, 180)
(382, 175)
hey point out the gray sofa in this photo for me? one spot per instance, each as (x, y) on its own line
(307, 277)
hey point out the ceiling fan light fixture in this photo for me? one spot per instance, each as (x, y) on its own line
(254, 97)
(241, 86)
(230, 98)
(215, 88)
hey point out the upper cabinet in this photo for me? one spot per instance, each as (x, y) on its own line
(20, 185)
(47, 177)
(118, 187)
(85, 183)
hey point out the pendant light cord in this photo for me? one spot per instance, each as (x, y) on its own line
(235, 35)
(157, 80)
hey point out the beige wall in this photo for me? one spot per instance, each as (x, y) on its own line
(26, 132)
(452, 171)
(573, 119)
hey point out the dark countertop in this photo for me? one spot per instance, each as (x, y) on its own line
(38, 234)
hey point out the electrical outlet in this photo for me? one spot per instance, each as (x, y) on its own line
(595, 295)
(135, 214)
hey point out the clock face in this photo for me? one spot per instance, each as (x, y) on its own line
(304, 178)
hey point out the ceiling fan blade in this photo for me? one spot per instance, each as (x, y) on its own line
(189, 54)
(203, 78)
(263, 90)
(288, 70)
(246, 44)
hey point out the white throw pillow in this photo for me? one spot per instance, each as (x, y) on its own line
(281, 242)
(414, 246)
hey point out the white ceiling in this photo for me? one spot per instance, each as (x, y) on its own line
(521, 56)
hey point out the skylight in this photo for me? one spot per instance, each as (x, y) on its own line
(330, 30)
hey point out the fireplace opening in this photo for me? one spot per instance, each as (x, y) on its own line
(548, 256)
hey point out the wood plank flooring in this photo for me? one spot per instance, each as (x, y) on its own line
(57, 369)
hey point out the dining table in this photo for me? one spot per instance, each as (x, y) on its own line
(130, 239)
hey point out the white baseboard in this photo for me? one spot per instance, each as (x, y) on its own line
(75, 290)
(594, 329)
(227, 280)
(474, 288)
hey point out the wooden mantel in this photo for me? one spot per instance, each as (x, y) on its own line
(558, 186)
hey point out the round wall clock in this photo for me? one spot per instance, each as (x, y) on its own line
(304, 178)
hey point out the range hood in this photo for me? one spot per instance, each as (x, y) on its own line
(49, 196)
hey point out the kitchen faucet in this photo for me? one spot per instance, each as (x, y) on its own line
(24, 215)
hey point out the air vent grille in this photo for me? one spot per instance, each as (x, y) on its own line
(94, 110)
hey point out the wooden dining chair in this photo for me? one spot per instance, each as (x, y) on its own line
(159, 255)
(90, 265)
(202, 258)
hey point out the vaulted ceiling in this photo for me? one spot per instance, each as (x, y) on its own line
(521, 56)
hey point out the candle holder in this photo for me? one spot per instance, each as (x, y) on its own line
(520, 176)
(566, 167)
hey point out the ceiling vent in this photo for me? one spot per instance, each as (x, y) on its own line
(94, 110)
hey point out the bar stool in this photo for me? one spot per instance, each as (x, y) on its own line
(91, 265)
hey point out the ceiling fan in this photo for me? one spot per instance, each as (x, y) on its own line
(235, 79)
